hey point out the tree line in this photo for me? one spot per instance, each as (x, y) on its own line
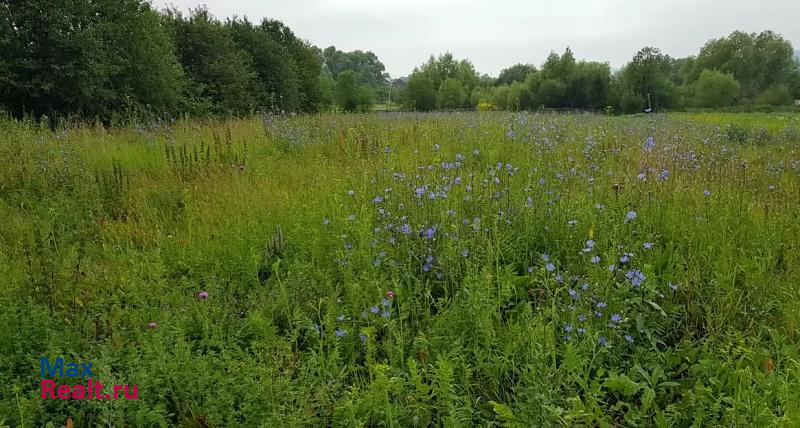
(742, 69)
(104, 59)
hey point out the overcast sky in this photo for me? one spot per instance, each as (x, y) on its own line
(495, 34)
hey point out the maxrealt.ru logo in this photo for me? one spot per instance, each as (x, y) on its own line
(92, 390)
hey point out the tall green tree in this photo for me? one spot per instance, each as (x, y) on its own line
(515, 73)
(757, 61)
(221, 75)
(451, 94)
(350, 94)
(715, 89)
(420, 93)
(647, 76)
(86, 58)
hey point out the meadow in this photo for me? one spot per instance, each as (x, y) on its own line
(402, 269)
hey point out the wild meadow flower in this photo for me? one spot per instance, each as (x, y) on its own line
(599, 206)
(628, 338)
(390, 294)
(339, 332)
(152, 324)
(325, 221)
(351, 192)
(203, 295)
(582, 318)
(574, 294)
(635, 276)
(589, 246)
(706, 192)
(601, 305)
(340, 318)
(630, 216)
(602, 341)
(649, 144)
(616, 318)
(595, 259)
(550, 267)
(648, 245)
(674, 287)
(363, 338)
(374, 309)
(567, 328)
(385, 314)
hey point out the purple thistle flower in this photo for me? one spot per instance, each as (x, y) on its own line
(203, 295)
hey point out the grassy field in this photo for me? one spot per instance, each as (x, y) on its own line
(489, 269)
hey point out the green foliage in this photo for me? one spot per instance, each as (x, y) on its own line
(220, 72)
(91, 59)
(451, 94)
(515, 73)
(350, 95)
(647, 76)
(757, 61)
(420, 93)
(121, 59)
(778, 95)
(715, 89)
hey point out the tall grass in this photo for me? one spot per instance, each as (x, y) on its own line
(407, 270)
